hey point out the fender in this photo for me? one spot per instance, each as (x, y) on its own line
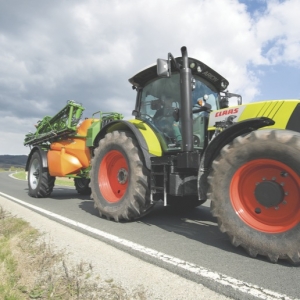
(144, 135)
(222, 139)
(42, 153)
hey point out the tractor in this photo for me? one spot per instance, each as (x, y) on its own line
(185, 146)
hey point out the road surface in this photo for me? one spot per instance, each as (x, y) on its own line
(188, 244)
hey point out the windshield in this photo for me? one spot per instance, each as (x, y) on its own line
(202, 89)
(160, 105)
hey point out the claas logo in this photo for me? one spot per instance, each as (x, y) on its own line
(226, 112)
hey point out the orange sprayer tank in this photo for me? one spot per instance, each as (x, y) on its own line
(69, 156)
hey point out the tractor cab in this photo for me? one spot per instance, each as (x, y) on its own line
(160, 101)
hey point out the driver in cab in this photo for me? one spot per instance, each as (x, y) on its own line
(165, 121)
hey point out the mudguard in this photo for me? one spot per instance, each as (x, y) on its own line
(145, 137)
(42, 153)
(222, 139)
(285, 113)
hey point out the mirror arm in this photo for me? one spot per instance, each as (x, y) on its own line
(171, 59)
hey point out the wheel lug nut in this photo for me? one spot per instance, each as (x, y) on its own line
(282, 183)
(284, 174)
(286, 193)
(257, 210)
(276, 207)
(273, 178)
(284, 202)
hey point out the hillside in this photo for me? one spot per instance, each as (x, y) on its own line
(7, 161)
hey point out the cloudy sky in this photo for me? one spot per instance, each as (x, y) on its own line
(53, 51)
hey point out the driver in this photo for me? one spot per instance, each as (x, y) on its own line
(165, 121)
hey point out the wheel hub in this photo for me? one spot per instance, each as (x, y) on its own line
(265, 195)
(36, 173)
(122, 176)
(269, 193)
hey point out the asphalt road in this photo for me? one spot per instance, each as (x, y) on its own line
(192, 239)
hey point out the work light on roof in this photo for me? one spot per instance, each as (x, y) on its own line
(223, 84)
(192, 65)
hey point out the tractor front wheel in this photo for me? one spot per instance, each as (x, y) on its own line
(40, 183)
(119, 179)
(255, 193)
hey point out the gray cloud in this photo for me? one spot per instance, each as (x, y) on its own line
(53, 51)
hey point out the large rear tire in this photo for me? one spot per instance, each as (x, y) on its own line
(255, 193)
(119, 179)
(40, 183)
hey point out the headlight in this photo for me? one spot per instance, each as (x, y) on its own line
(224, 84)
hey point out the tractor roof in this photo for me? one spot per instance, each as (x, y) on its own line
(199, 69)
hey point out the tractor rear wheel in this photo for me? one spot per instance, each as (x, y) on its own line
(119, 179)
(40, 183)
(82, 186)
(255, 193)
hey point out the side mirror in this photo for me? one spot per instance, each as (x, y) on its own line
(136, 113)
(229, 95)
(163, 69)
(239, 99)
(224, 102)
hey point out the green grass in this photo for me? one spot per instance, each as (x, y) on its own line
(9, 228)
(31, 269)
(20, 175)
(64, 181)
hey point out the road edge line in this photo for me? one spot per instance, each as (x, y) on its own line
(234, 284)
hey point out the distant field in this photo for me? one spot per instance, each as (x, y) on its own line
(13, 161)
(13, 169)
(59, 180)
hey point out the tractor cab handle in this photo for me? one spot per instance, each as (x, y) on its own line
(205, 107)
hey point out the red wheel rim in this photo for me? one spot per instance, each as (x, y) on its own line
(113, 176)
(273, 219)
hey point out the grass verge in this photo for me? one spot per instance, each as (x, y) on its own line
(58, 181)
(31, 269)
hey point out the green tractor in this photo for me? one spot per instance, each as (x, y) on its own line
(186, 146)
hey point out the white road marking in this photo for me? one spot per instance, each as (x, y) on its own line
(236, 284)
(12, 176)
